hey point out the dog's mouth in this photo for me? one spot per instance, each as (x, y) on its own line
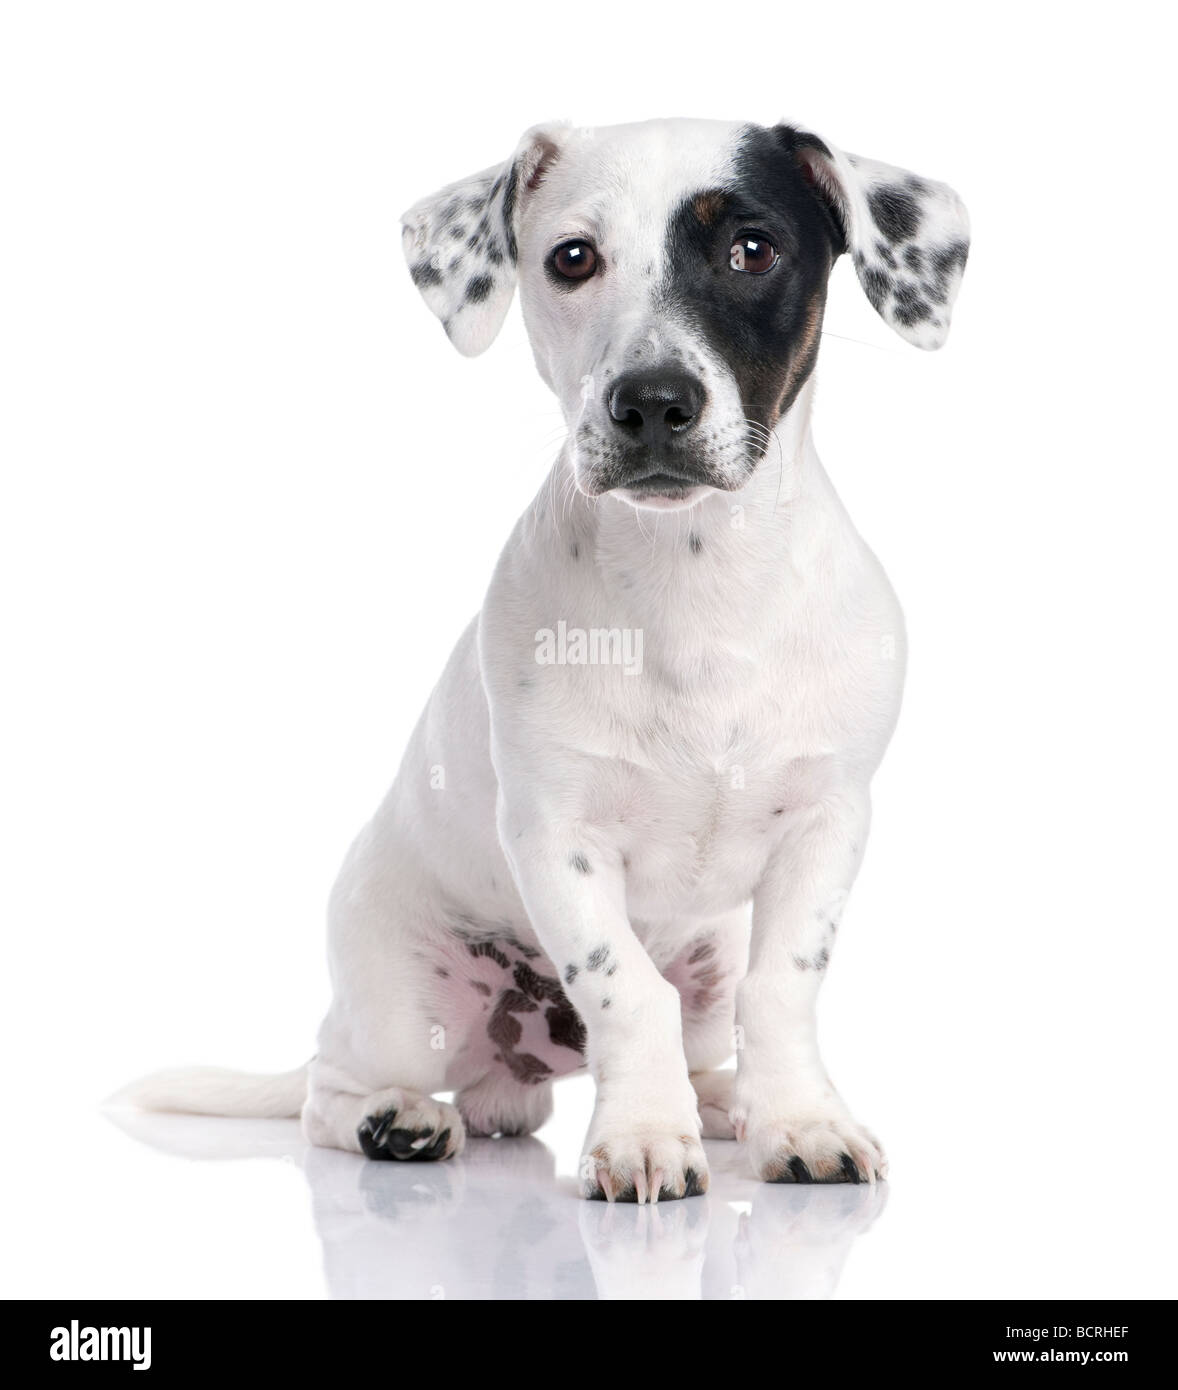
(656, 482)
(662, 483)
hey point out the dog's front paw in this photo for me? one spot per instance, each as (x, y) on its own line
(644, 1161)
(418, 1129)
(815, 1145)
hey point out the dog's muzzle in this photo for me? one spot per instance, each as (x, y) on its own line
(653, 415)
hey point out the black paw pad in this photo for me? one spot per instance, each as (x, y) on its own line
(795, 1171)
(381, 1139)
(848, 1172)
(696, 1186)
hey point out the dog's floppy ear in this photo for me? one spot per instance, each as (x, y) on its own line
(908, 236)
(461, 242)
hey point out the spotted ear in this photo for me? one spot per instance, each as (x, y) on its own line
(908, 236)
(461, 242)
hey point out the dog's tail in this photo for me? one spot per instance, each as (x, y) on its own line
(217, 1091)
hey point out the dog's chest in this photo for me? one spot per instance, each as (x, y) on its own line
(696, 787)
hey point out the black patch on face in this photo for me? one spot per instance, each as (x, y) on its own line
(578, 861)
(896, 212)
(478, 287)
(765, 327)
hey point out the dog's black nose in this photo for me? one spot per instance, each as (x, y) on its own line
(654, 406)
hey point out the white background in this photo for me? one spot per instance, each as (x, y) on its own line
(251, 496)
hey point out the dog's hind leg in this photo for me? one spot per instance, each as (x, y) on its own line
(706, 972)
(714, 1092)
(386, 1042)
(499, 1104)
(395, 1123)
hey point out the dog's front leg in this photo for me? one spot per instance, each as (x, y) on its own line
(644, 1141)
(795, 1124)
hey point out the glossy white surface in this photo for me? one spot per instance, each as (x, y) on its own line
(243, 524)
(126, 1205)
(502, 1222)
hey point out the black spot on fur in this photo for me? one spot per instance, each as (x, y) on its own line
(579, 862)
(878, 285)
(505, 1030)
(914, 258)
(909, 308)
(597, 958)
(425, 274)
(478, 287)
(508, 212)
(606, 1002)
(695, 543)
(490, 950)
(442, 972)
(570, 974)
(896, 212)
(565, 1027)
(943, 262)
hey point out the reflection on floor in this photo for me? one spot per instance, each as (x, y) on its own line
(498, 1223)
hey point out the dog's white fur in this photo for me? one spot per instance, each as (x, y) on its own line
(607, 821)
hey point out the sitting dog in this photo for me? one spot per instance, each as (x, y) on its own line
(656, 722)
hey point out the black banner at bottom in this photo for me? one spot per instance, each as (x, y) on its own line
(169, 1340)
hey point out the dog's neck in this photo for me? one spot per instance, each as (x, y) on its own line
(718, 572)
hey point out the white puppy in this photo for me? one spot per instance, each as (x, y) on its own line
(655, 721)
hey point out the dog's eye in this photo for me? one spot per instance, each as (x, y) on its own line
(753, 253)
(575, 260)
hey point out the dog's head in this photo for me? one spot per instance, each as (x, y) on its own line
(673, 278)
